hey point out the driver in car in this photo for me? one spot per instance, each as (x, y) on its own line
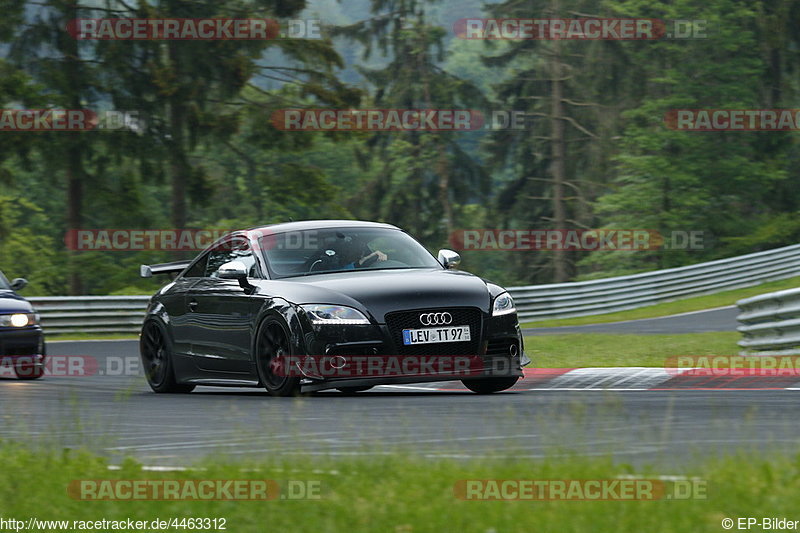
(353, 254)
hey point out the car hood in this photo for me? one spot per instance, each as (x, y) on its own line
(382, 291)
(10, 302)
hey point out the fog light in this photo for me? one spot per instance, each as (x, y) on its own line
(513, 350)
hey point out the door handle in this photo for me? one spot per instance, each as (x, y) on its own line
(193, 305)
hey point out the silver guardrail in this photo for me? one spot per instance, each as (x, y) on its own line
(90, 314)
(594, 297)
(770, 323)
(123, 314)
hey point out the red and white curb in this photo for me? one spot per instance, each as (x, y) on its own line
(631, 379)
(649, 378)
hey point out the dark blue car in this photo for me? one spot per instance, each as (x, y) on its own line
(21, 341)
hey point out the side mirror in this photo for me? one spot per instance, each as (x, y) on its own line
(449, 259)
(18, 284)
(233, 270)
(238, 271)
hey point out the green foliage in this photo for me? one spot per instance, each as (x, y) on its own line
(726, 185)
(27, 253)
(208, 156)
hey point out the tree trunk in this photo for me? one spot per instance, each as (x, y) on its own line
(558, 154)
(179, 169)
(444, 192)
(74, 210)
(75, 146)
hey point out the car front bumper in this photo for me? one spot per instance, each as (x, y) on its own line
(341, 356)
(28, 341)
(22, 348)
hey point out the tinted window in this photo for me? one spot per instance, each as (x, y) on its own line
(198, 270)
(233, 250)
(309, 252)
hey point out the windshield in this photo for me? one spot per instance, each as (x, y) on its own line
(302, 253)
(4, 286)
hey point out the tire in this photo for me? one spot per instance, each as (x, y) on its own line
(353, 390)
(25, 369)
(157, 361)
(273, 342)
(489, 385)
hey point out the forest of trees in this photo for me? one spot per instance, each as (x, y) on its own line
(596, 152)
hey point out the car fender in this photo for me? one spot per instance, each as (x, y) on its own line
(285, 312)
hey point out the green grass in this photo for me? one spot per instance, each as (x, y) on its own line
(610, 349)
(698, 303)
(397, 493)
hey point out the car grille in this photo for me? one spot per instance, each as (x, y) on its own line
(463, 316)
(18, 348)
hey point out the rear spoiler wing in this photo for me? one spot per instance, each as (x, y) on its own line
(147, 271)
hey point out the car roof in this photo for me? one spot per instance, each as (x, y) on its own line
(302, 225)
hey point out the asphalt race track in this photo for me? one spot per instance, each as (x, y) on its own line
(641, 416)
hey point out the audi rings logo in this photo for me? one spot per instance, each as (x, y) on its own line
(436, 319)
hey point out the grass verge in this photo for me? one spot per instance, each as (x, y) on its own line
(698, 303)
(396, 493)
(611, 349)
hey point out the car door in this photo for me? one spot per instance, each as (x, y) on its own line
(175, 301)
(221, 312)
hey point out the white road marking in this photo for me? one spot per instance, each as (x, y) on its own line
(408, 387)
(217, 443)
(159, 468)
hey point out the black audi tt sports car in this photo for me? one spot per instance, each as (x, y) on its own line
(313, 305)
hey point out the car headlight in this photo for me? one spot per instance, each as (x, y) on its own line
(19, 320)
(503, 305)
(334, 314)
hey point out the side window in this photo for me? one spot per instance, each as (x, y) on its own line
(198, 269)
(233, 250)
